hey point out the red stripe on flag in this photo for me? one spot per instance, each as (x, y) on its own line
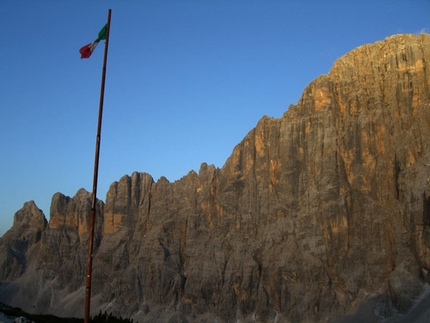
(86, 51)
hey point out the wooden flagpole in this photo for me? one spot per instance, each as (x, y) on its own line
(94, 194)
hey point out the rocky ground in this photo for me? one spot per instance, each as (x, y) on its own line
(10, 314)
(4, 318)
(9, 319)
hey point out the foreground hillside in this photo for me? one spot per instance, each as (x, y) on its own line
(16, 315)
(321, 215)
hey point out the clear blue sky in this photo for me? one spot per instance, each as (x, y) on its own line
(186, 80)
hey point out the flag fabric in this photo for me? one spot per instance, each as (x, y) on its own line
(88, 49)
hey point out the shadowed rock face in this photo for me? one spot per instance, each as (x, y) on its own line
(314, 215)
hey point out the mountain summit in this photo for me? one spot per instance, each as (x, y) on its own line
(319, 216)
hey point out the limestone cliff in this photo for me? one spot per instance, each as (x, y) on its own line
(315, 215)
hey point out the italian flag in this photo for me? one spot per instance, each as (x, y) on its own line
(88, 49)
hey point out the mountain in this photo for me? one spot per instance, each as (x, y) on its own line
(322, 215)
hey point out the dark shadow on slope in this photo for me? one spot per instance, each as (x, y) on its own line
(380, 309)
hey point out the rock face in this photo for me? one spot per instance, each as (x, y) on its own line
(321, 214)
(18, 242)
